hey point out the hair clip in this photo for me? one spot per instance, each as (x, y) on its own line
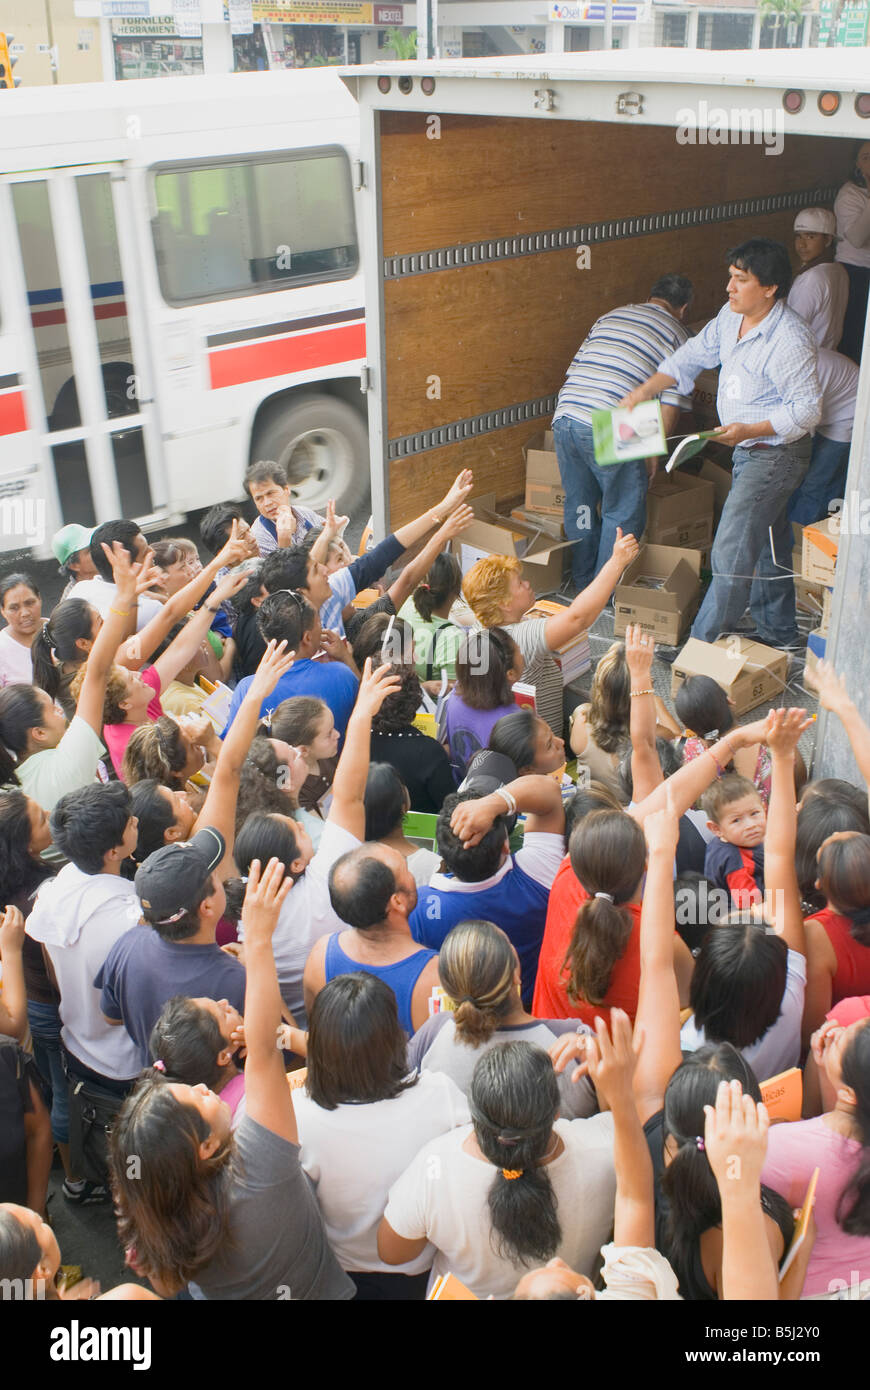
(608, 896)
(511, 1174)
(700, 1143)
(160, 1066)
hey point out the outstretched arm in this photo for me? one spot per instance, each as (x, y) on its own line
(416, 570)
(658, 1004)
(834, 696)
(268, 1098)
(735, 1141)
(349, 783)
(13, 1005)
(785, 727)
(611, 1065)
(581, 614)
(646, 770)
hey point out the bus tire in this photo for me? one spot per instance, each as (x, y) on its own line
(323, 445)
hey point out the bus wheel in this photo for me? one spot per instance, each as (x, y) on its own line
(322, 443)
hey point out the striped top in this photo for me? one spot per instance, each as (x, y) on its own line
(622, 350)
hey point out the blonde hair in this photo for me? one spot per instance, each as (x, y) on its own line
(155, 750)
(487, 586)
(610, 700)
(116, 691)
(476, 966)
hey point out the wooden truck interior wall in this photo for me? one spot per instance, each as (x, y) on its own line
(501, 333)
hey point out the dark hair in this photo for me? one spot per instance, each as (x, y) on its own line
(188, 924)
(398, 710)
(295, 720)
(12, 581)
(87, 823)
(670, 762)
(699, 905)
(702, 706)
(153, 810)
(385, 800)
(738, 982)
(443, 581)
(595, 797)
(173, 1206)
(243, 600)
(674, 288)
(56, 642)
(285, 616)
(844, 873)
(265, 837)
(371, 641)
(724, 792)
(514, 1101)
(21, 710)
(156, 751)
(767, 260)
(477, 964)
(608, 855)
(853, 1207)
(19, 869)
(20, 1252)
(259, 789)
(820, 816)
(688, 1183)
(357, 1049)
(360, 888)
(215, 528)
(474, 863)
(515, 736)
(123, 532)
(187, 1040)
(264, 471)
(482, 663)
(287, 567)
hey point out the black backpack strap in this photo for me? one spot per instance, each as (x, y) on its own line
(430, 665)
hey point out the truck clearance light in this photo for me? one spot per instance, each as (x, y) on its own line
(793, 102)
(406, 85)
(427, 86)
(829, 103)
(862, 104)
(384, 84)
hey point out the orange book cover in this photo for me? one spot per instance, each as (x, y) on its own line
(448, 1289)
(783, 1095)
(800, 1226)
(295, 1079)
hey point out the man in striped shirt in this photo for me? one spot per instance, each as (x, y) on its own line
(769, 403)
(622, 350)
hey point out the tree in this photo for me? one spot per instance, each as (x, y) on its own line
(403, 45)
(782, 12)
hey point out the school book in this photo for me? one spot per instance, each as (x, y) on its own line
(687, 448)
(801, 1226)
(524, 695)
(783, 1095)
(621, 435)
(448, 1289)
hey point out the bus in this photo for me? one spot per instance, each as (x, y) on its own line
(180, 295)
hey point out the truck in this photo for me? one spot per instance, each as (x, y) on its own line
(180, 295)
(508, 203)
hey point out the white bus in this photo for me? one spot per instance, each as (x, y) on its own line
(180, 295)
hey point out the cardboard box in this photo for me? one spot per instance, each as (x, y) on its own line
(819, 555)
(704, 394)
(575, 657)
(827, 604)
(817, 645)
(491, 533)
(678, 502)
(660, 590)
(550, 524)
(748, 672)
(720, 477)
(809, 598)
(544, 491)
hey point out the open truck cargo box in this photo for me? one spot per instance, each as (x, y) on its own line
(510, 202)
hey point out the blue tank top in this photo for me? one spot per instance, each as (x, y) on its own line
(401, 977)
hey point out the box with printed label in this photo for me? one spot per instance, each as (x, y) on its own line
(749, 673)
(676, 502)
(572, 658)
(544, 490)
(819, 556)
(660, 590)
(491, 533)
(720, 477)
(809, 598)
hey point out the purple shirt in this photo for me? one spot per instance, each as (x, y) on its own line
(468, 730)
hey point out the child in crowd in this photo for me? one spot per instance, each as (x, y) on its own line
(735, 857)
(488, 662)
(307, 724)
(437, 637)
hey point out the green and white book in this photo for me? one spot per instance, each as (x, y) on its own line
(621, 435)
(688, 447)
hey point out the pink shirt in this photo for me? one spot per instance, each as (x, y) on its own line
(117, 736)
(793, 1151)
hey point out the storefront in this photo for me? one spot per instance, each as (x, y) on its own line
(152, 47)
(294, 35)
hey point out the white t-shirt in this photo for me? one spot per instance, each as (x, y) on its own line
(780, 1047)
(51, 773)
(633, 1274)
(354, 1154)
(443, 1196)
(306, 915)
(422, 864)
(838, 378)
(101, 595)
(16, 661)
(820, 295)
(850, 206)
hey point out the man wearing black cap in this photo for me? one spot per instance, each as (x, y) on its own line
(183, 902)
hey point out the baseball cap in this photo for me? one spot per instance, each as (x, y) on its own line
(171, 879)
(816, 220)
(69, 540)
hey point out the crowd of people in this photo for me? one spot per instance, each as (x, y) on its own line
(319, 966)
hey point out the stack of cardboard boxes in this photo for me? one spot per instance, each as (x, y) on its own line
(819, 546)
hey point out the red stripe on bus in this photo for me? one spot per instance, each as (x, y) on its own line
(302, 352)
(111, 311)
(47, 317)
(13, 418)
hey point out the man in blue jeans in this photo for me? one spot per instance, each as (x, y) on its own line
(769, 402)
(622, 349)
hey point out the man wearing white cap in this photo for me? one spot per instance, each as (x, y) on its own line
(820, 289)
(829, 461)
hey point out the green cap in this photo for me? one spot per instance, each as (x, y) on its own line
(69, 540)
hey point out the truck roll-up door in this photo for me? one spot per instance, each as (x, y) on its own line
(487, 294)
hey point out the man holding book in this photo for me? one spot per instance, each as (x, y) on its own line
(769, 402)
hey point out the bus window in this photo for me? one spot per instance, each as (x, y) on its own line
(45, 297)
(246, 226)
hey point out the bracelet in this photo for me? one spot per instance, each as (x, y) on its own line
(509, 798)
(642, 692)
(439, 521)
(121, 612)
(720, 771)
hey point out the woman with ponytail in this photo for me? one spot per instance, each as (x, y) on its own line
(516, 1187)
(838, 937)
(480, 974)
(487, 664)
(436, 638)
(61, 647)
(838, 1144)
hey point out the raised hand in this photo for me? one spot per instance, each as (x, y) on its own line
(334, 524)
(662, 828)
(127, 573)
(459, 520)
(274, 663)
(228, 586)
(266, 891)
(237, 547)
(830, 687)
(639, 652)
(625, 548)
(611, 1059)
(785, 727)
(374, 688)
(735, 1139)
(462, 485)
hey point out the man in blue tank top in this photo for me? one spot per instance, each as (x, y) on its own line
(483, 880)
